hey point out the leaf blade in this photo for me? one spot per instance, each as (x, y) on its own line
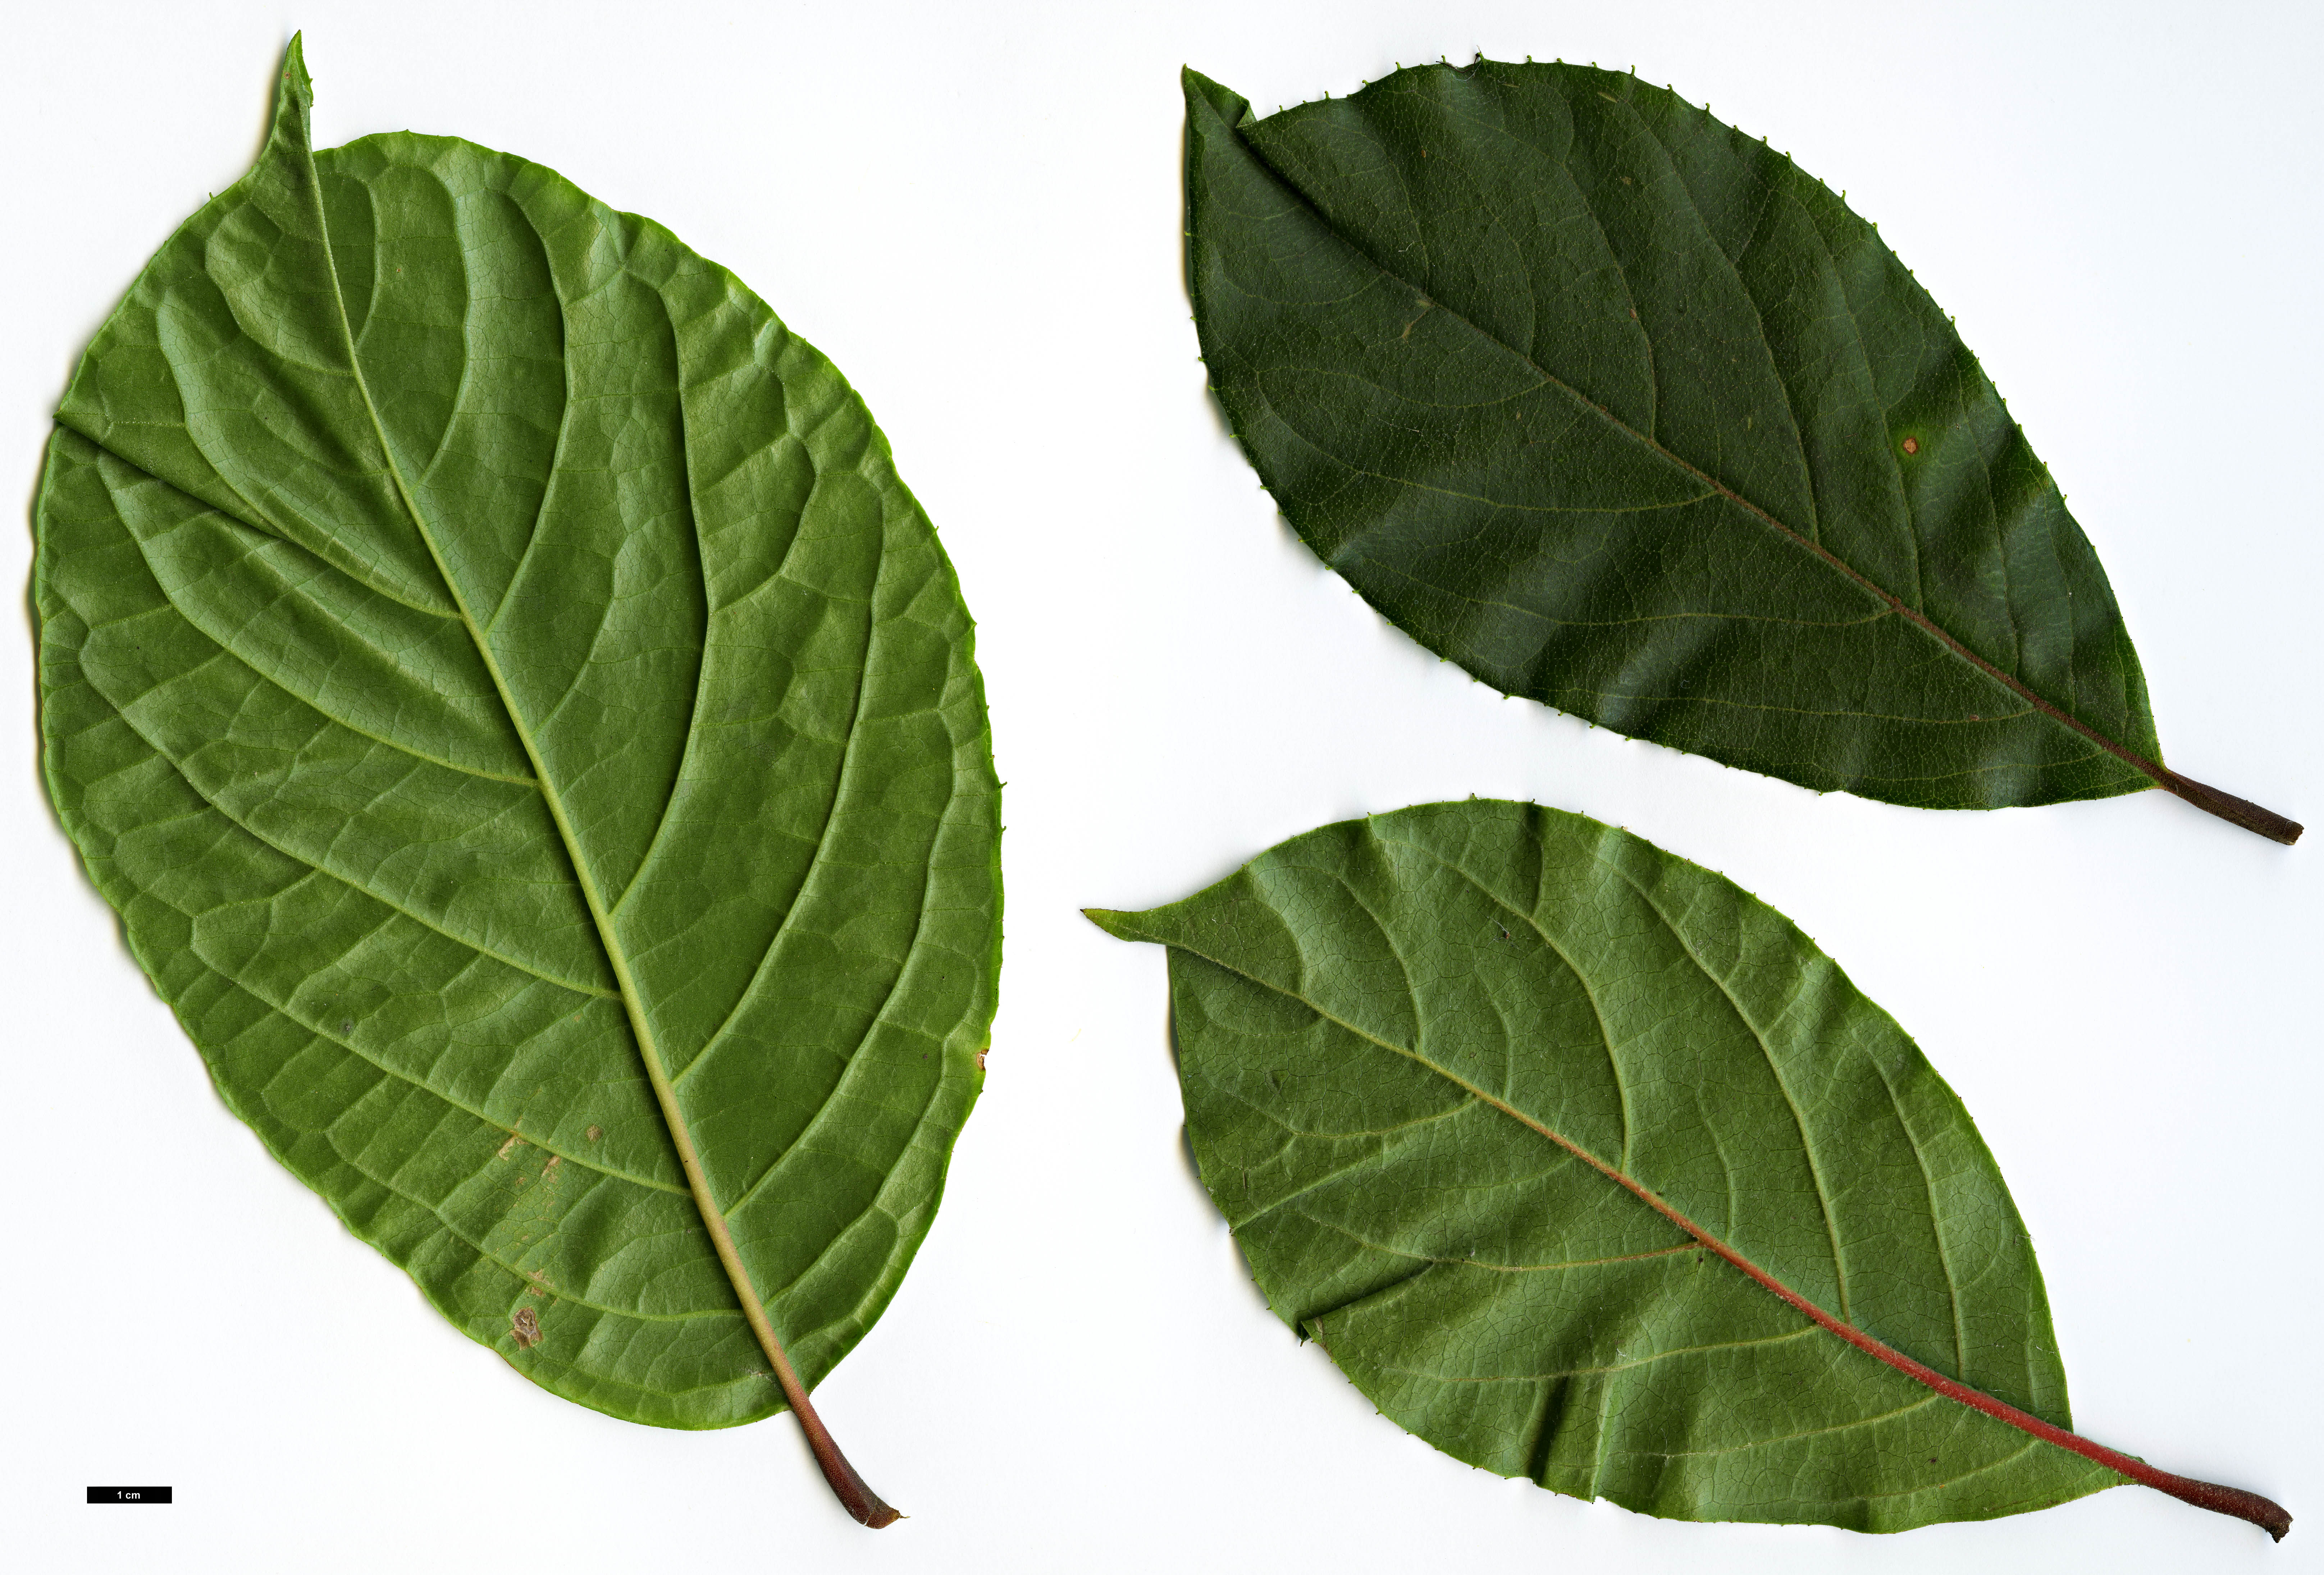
(1618, 410)
(565, 571)
(1578, 1158)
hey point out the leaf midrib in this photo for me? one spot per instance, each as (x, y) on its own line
(1944, 639)
(1871, 1345)
(640, 1028)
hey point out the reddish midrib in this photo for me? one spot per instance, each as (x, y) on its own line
(2266, 1513)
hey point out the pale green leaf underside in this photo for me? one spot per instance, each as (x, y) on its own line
(1614, 406)
(402, 467)
(1374, 1018)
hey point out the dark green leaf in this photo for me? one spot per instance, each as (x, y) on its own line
(534, 740)
(1588, 1167)
(1616, 408)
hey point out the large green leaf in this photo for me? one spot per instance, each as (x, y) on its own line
(1588, 1167)
(1616, 408)
(532, 740)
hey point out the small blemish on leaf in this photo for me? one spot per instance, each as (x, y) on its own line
(1911, 446)
(525, 1326)
(513, 1141)
(347, 1027)
(593, 1133)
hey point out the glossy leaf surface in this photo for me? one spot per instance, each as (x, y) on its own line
(1588, 1167)
(533, 741)
(1615, 407)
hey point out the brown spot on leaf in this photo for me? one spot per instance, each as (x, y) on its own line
(1911, 446)
(549, 1171)
(513, 1141)
(594, 1133)
(525, 1326)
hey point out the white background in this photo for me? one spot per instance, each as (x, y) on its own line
(976, 212)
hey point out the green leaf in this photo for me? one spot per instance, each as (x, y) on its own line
(1588, 1167)
(1616, 408)
(533, 741)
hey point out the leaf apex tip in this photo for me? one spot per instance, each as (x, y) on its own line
(297, 86)
(1113, 923)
